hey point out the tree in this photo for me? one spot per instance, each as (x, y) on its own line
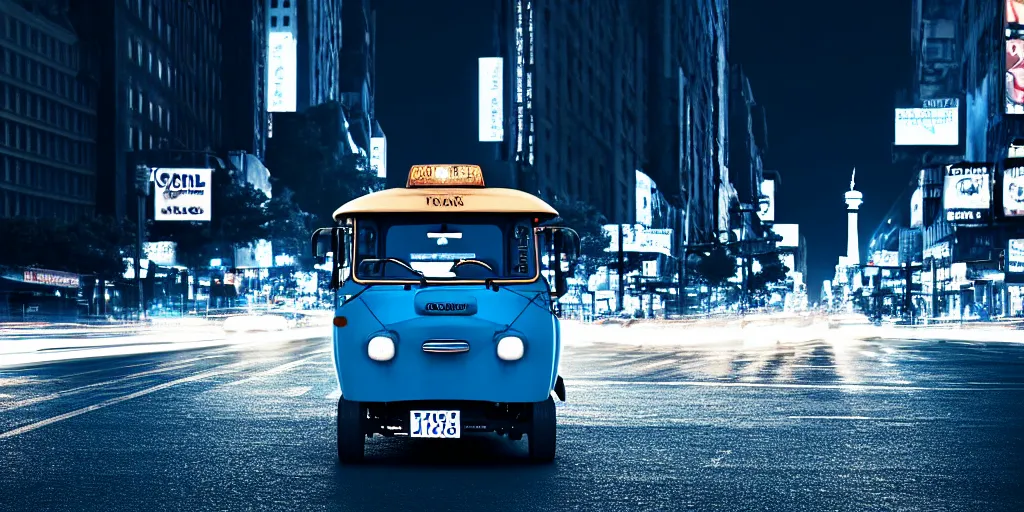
(588, 223)
(307, 155)
(238, 218)
(89, 246)
(290, 227)
(717, 267)
(772, 271)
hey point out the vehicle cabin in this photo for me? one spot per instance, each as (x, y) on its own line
(444, 316)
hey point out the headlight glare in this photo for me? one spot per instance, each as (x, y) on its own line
(381, 348)
(511, 348)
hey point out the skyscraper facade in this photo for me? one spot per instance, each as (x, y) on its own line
(158, 66)
(244, 73)
(48, 120)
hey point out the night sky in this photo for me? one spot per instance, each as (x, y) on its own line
(826, 75)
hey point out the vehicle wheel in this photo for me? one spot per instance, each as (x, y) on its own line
(541, 436)
(351, 438)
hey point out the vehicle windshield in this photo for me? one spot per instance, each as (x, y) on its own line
(438, 248)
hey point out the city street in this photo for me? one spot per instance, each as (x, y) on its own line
(809, 425)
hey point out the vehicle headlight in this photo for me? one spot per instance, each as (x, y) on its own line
(381, 348)
(510, 348)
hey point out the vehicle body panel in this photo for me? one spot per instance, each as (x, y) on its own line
(521, 310)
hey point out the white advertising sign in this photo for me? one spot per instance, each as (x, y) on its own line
(766, 209)
(789, 261)
(790, 234)
(1015, 256)
(644, 186)
(161, 253)
(282, 72)
(636, 238)
(492, 109)
(379, 156)
(917, 208)
(182, 194)
(966, 192)
(886, 258)
(927, 126)
(1013, 192)
(257, 255)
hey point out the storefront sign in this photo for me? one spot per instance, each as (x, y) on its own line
(638, 239)
(967, 194)
(1015, 256)
(51, 278)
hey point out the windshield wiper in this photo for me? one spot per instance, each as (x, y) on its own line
(386, 260)
(489, 282)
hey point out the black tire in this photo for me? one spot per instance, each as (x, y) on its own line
(543, 427)
(351, 437)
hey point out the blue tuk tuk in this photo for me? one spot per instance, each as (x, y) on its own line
(445, 318)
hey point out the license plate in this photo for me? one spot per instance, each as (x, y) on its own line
(435, 424)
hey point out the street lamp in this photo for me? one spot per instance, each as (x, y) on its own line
(142, 178)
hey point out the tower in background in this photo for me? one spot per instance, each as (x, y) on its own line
(853, 199)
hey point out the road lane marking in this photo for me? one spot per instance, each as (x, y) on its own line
(297, 392)
(843, 387)
(854, 418)
(114, 401)
(79, 374)
(333, 395)
(278, 369)
(60, 394)
(656, 365)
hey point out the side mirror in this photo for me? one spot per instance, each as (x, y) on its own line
(334, 242)
(564, 246)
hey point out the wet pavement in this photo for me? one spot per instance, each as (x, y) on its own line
(812, 425)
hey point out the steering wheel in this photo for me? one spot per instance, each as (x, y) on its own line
(459, 263)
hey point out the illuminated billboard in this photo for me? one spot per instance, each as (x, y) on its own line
(790, 234)
(766, 206)
(1014, 57)
(928, 126)
(917, 208)
(636, 238)
(182, 194)
(379, 156)
(282, 83)
(967, 192)
(1015, 256)
(644, 189)
(1013, 189)
(492, 113)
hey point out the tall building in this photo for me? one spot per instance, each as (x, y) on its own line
(304, 41)
(158, 65)
(244, 74)
(747, 139)
(685, 106)
(48, 120)
(357, 81)
(565, 64)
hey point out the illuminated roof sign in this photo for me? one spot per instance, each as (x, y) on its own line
(421, 176)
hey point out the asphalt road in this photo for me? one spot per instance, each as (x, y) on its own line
(804, 426)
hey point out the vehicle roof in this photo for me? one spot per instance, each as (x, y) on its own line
(470, 200)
